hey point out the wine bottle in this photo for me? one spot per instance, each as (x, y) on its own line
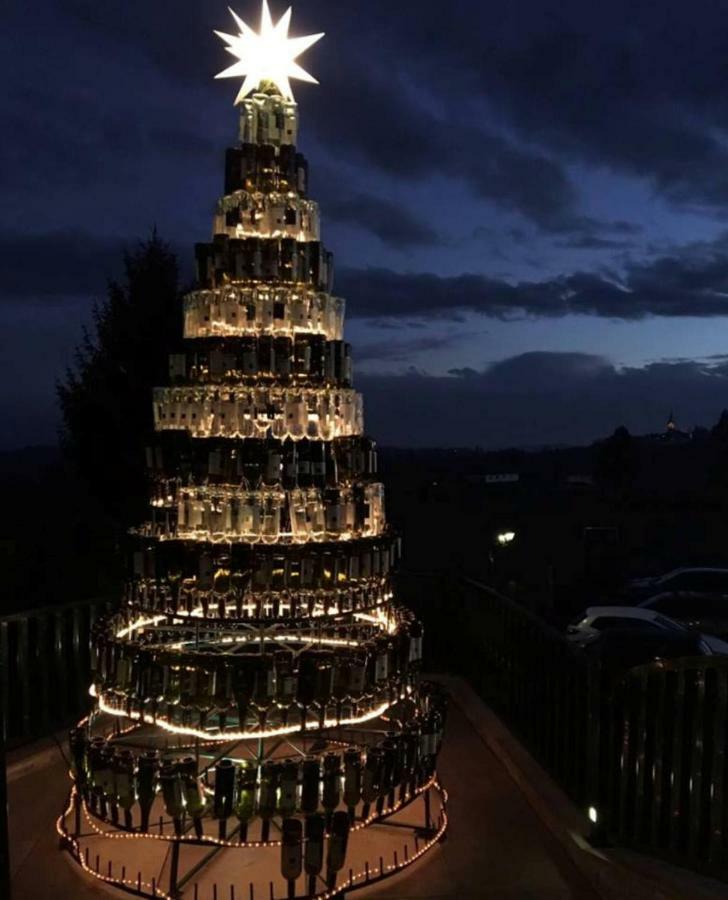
(292, 853)
(124, 784)
(310, 785)
(224, 791)
(269, 775)
(171, 784)
(352, 780)
(194, 796)
(331, 785)
(318, 465)
(245, 796)
(147, 781)
(288, 788)
(371, 779)
(314, 853)
(290, 465)
(338, 840)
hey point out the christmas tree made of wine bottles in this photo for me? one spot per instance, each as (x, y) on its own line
(259, 686)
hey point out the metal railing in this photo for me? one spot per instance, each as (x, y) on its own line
(544, 689)
(664, 787)
(45, 668)
(647, 754)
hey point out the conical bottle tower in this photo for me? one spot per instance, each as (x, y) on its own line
(258, 691)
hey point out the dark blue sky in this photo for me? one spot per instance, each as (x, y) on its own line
(527, 202)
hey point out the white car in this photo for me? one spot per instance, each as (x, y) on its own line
(597, 619)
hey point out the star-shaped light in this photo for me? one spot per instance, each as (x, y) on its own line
(268, 56)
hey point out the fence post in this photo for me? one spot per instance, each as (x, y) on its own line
(4, 835)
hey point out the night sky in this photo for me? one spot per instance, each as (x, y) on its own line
(528, 202)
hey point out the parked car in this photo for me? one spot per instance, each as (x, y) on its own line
(588, 626)
(707, 613)
(620, 649)
(712, 581)
(597, 620)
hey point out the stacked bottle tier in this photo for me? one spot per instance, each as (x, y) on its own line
(234, 600)
(270, 215)
(268, 118)
(285, 260)
(264, 168)
(223, 512)
(183, 575)
(304, 360)
(367, 779)
(178, 458)
(208, 411)
(248, 677)
(235, 310)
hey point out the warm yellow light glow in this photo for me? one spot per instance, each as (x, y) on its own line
(240, 735)
(281, 638)
(267, 56)
(137, 624)
(505, 537)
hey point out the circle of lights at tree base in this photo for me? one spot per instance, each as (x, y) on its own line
(259, 723)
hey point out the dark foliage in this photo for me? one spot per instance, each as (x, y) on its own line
(617, 462)
(106, 399)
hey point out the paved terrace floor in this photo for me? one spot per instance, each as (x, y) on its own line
(503, 842)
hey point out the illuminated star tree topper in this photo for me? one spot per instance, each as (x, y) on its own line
(267, 56)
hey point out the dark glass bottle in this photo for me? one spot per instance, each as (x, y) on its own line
(314, 852)
(292, 852)
(331, 785)
(269, 775)
(352, 780)
(338, 841)
(224, 791)
(310, 785)
(147, 780)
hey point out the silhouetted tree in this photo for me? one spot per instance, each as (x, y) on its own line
(719, 431)
(717, 461)
(617, 462)
(106, 398)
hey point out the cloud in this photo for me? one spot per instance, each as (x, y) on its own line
(506, 99)
(540, 398)
(402, 350)
(613, 85)
(390, 222)
(367, 112)
(374, 119)
(693, 281)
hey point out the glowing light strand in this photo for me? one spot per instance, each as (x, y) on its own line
(355, 880)
(226, 736)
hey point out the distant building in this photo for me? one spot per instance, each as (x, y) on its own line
(672, 434)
